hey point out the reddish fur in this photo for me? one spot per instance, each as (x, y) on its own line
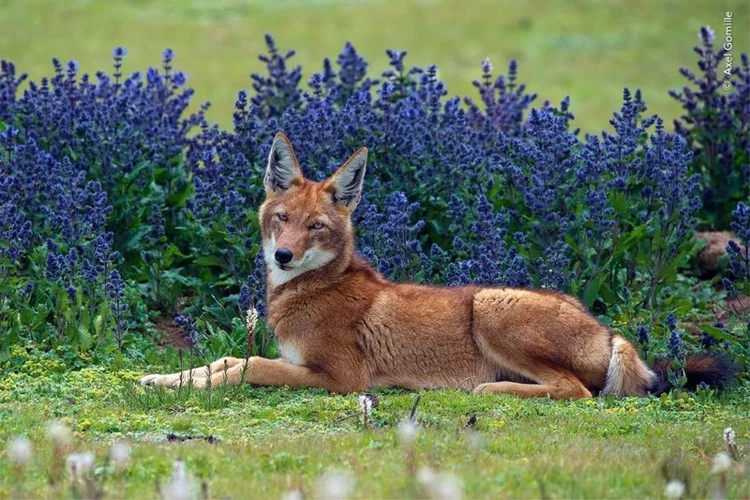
(349, 329)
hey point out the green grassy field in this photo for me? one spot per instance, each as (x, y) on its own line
(272, 441)
(276, 440)
(587, 49)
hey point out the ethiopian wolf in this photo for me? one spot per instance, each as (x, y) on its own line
(342, 326)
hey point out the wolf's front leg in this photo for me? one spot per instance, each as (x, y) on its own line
(261, 372)
(197, 376)
(279, 373)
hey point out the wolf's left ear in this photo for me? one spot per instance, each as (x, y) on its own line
(346, 183)
(283, 169)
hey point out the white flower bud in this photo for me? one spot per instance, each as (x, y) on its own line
(729, 437)
(675, 489)
(335, 485)
(19, 450)
(407, 432)
(180, 485)
(119, 453)
(251, 320)
(293, 495)
(58, 433)
(722, 463)
(439, 485)
(80, 464)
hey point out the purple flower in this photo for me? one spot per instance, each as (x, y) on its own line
(671, 321)
(739, 256)
(504, 100)
(115, 287)
(716, 127)
(193, 335)
(676, 346)
(642, 334)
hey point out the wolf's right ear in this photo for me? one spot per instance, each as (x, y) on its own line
(283, 170)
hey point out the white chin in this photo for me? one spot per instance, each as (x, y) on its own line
(314, 258)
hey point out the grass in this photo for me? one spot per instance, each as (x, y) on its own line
(587, 49)
(275, 440)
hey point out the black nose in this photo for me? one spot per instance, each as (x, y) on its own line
(283, 255)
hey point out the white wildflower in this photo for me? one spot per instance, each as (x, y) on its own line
(426, 476)
(119, 453)
(475, 440)
(365, 403)
(293, 495)
(180, 485)
(448, 487)
(19, 450)
(722, 463)
(729, 437)
(179, 471)
(407, 431)
(675, 489)
(80, 464)
(58, 433)
(251, 319)
(439, 485)
(335, 485)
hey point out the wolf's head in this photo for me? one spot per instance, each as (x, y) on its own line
(306, 225)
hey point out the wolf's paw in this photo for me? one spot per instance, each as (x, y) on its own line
(172, 381)
(154, 379)
(483, 388)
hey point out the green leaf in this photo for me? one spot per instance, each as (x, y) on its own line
(717, 333)
(592, 290)
(84, 337)
(209, 261)
(161, 175)
(174, 251)
(179, 198)
(607, 294)
(620, 203)
(133, 239)
(174, 276)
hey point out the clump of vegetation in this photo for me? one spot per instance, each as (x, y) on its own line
(121, 211)
(716, 125)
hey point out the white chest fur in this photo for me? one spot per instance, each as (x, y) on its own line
(291, 354)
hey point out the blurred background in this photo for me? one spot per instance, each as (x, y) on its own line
(588, 49)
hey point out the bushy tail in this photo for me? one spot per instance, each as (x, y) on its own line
(710, 369)
(628, 375)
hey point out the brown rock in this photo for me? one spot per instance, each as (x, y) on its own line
(716, 246)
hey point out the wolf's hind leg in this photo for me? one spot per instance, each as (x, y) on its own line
(196, 376)
(555, 386)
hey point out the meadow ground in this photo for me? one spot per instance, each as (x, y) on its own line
(587, 49)
(268, 441)
(275, 440)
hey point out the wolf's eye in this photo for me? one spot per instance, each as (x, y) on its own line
(282, 216)
(317, 225)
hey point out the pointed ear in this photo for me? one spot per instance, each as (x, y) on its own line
(283, 170)
(346, 184)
